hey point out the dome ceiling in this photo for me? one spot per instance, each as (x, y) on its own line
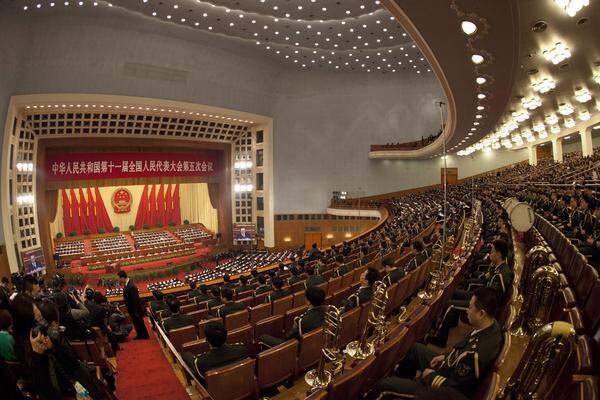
(336, 35)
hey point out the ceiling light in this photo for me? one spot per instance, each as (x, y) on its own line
(531, 103)
(582, 95)
(565, 109)
(480, 80)
(584, 115)
(544, 86)
(569, 122)
(520, 116)
(539, 127)
(555, 129)
(557, 54)
(480, 108)
(543, 135)
(572, 7)
(477, 59)
(597, 78)
(468, 27)
(481, 96)
(551, 119)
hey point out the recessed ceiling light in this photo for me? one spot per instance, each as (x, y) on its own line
(477, 59)
(468, 27)
(480, 80)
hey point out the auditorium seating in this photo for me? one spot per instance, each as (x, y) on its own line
(152, 238)
(192, 234)
(267, 318)
(71, 248)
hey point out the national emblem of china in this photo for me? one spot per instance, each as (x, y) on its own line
(121, 200)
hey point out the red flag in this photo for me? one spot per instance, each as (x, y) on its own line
(141, 212)
(83, 211)
(91, 212)
(67, 216)
(160, 206)
(176, 209)
(152, 207)
(168, 205)
(75, 213)
(103, 218)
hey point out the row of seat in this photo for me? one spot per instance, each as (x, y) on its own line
(583, 362)
(306, 351)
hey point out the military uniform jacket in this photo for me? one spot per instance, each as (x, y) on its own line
(469, 362)
(343, 269)
(293, 279)
(277, 294)
(394, 276)
(177, 321)
(313, 280)
(219, 357)
(229, 308)
(157, 305)
(262, 289)
(243, 288)
(361, 296)
(501, 279)
(202, 297)
(417, 260)
(312, 319)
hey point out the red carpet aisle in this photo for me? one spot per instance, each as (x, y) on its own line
(144, 373)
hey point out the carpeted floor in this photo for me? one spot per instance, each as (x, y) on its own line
(144, 372)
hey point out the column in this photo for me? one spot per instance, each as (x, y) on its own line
(587, 148)
(532, 154)
(557, 150)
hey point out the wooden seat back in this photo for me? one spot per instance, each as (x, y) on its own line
(232, 382)
(277, 364)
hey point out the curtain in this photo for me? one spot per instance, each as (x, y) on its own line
(196, 205)
(213, 193)
(51, 204)
(83, 212)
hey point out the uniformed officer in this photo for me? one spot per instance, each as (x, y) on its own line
(500, 279)
(229, 306)
(312, 319)
(364, 292)
(420, 255)
(392, 274)
(244, 286)
(175, 319)
(278, 291)
(220, 353)
(263, 287)
(464, 368)
(313, 279)
(295, 275)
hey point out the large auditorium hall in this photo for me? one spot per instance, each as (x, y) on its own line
(299, 199)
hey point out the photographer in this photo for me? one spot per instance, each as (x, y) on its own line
(54, 365)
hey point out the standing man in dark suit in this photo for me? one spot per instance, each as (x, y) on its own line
(131, 296)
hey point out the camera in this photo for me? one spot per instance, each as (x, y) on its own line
(40, 328)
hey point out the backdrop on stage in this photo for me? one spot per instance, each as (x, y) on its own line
(96, 210)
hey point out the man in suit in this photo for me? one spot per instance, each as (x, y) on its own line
(220, 353)
(278, 292)
(229, 306)
(464, 368)
(312, 319)
(364, 293)
(176, 319)
(131, 296)
(5, 294)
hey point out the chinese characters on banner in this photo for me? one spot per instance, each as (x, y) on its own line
(84, 166)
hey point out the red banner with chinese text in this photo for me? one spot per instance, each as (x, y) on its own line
(86, 166)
